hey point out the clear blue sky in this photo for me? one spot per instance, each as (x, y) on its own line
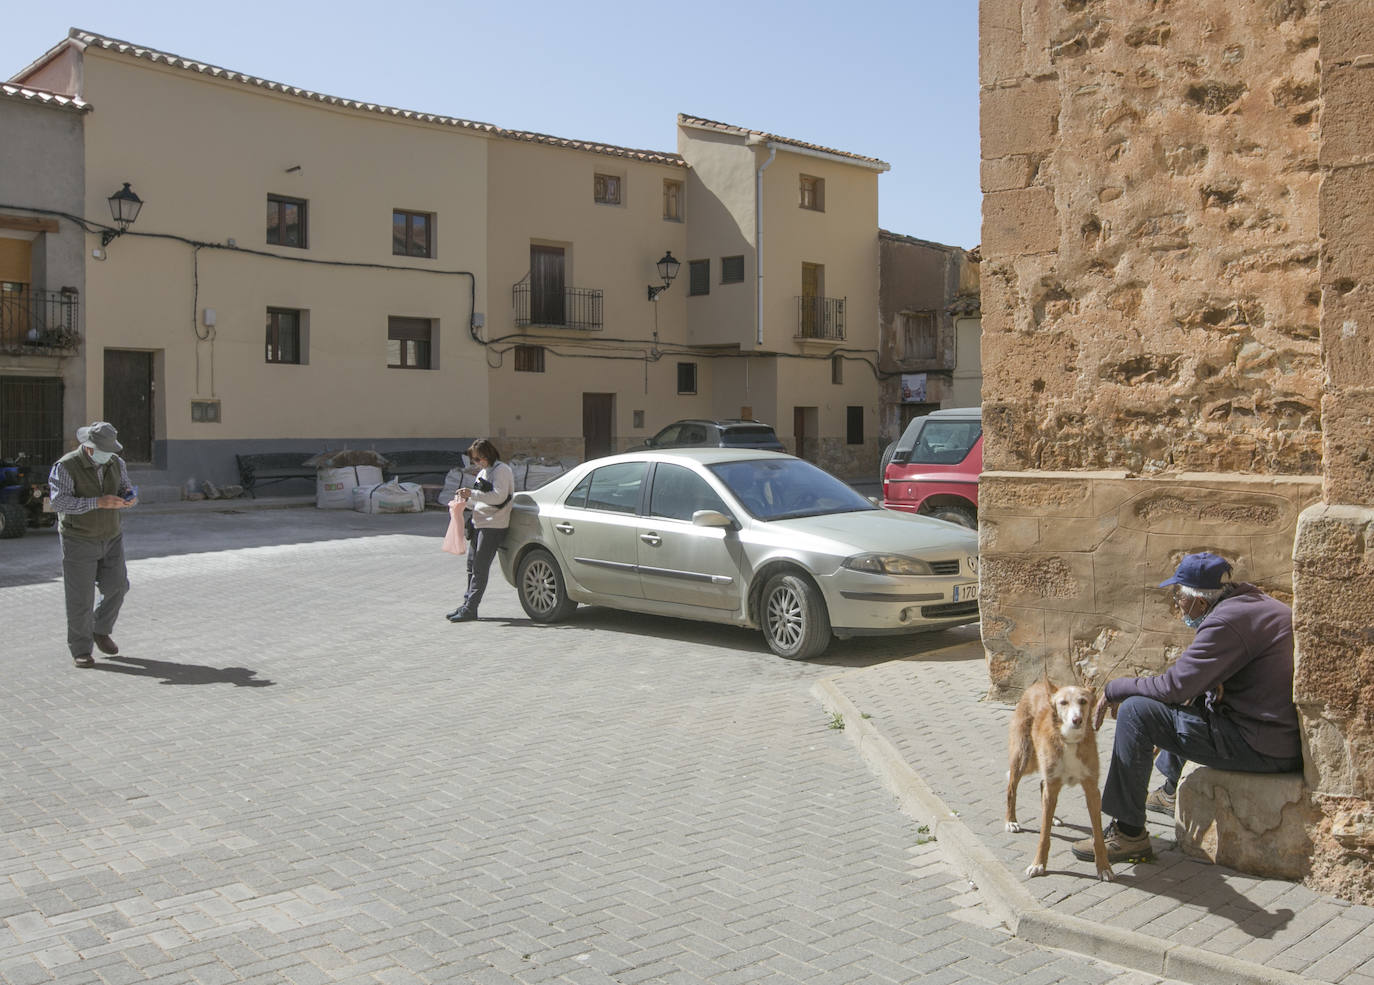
(892, 79)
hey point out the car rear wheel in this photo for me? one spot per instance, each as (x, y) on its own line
(795, 622)
(961, 515)
(13, 519)
(886, 459)
(543, 595)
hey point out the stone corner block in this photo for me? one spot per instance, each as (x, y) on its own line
(1256, 823)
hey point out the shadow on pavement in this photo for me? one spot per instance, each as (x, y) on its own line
(859, 651)
(175, 673)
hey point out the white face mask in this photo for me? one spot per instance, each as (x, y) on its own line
(99, 457)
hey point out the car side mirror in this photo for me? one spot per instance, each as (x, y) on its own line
(711, 518)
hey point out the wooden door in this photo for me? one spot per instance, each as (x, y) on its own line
(31, 420)
(801, 417)
(129, 401)
(813, 290)
(546, 285)
(597, 409)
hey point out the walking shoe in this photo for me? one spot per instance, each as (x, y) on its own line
(83, 660)
(1120, 847)
(1160, 802)
(106, 644)
(462, 615)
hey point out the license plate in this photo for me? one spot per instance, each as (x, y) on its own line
(966, 593)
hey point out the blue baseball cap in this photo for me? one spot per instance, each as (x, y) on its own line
(1203, 570)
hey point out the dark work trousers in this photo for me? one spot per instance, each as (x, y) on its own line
(481, 551)
(87, 564)
(1182, 734)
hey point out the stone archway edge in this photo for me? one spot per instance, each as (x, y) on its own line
(1002, 891)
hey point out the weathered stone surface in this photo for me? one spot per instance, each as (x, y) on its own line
(1347, 92)
(1257, 823)
(1005, 173)
(1019, 119)
(1348, 422)
(1343, 852)
(1020, 221)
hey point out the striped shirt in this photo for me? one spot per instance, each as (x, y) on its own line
(64, 497)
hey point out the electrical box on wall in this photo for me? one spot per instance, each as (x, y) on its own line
(209, 317)
(205, 412)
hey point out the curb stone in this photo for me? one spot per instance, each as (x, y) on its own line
(1009, 901)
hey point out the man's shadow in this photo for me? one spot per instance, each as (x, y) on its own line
(174, 673)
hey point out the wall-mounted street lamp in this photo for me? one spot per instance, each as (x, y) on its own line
(667, 270)
(124, 206)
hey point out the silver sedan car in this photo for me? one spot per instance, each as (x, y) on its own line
(752, 538)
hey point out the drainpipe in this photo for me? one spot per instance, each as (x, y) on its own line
(758, 234)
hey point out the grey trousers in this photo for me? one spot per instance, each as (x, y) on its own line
(87, 564)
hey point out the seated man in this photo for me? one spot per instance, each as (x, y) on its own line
(1226, 702)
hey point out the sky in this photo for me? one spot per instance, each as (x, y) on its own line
(891, 79)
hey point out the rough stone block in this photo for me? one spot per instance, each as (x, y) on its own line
(1347, 30)
(1001, 47)
(1005, 173)
(1019, 119)
(1256, 823)
(1349, 445)
(1347, 93)
(1347, 322)
(1346, 203)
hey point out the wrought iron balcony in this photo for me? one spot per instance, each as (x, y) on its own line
(573, 307)
(820, 318)
(39, 321)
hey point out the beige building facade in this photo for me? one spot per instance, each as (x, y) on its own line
(310, 272)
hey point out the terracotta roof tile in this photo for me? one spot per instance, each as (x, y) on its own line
(686, 120)
(176, 61)
(10, 90)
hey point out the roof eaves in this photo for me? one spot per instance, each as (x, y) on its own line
(593, 147)
(43, 97)
(700, 123)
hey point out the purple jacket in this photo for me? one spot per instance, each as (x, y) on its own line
(1242, 660)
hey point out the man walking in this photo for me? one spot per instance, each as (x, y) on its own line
(89, 487)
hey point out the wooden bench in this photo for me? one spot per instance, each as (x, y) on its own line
(273, 466)
(413, 464)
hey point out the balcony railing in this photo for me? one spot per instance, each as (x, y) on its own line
(38, 320)
(573, 307)
(820, 318)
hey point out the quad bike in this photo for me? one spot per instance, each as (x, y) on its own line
(24, 498)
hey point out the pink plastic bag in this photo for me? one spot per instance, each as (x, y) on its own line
(455, 539)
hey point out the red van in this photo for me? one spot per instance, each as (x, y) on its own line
(933, 467)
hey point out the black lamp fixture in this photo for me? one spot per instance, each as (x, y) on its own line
(667, 270)
(124, 206)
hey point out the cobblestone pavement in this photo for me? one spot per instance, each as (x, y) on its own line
(956, 743)
(296, 771)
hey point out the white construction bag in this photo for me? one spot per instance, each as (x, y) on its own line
(389, 497)
(334, 487)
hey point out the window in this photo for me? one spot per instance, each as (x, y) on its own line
(412, 234)
(812, 193)
(686, 377)
(837, 369)
(672, 200)
(529, 359)
(408, 342)
(732, 270)
(678, 492)
(854, 425)
(286, 221)
(699, 281)
(918, 334)
(612, 489)
(606, 189)
(283, 335)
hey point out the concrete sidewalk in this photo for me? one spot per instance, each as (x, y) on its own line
(923, 726)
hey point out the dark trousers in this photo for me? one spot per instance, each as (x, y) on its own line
(87, 564)
(482, 545)
(1182, 734)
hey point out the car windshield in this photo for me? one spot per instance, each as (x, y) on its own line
(748, 435)
(783, 488)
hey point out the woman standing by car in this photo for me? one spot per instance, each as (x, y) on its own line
(489, 503)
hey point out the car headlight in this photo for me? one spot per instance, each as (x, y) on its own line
(887, 564)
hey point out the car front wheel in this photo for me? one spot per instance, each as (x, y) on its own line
(795, 622)
(543, 595)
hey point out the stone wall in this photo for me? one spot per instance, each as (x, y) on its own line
(1334, 552)
(1178, 278)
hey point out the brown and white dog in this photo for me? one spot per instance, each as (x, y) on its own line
(1052, 732)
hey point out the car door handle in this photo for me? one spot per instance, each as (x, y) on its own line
(564, 527)
(652, 539)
